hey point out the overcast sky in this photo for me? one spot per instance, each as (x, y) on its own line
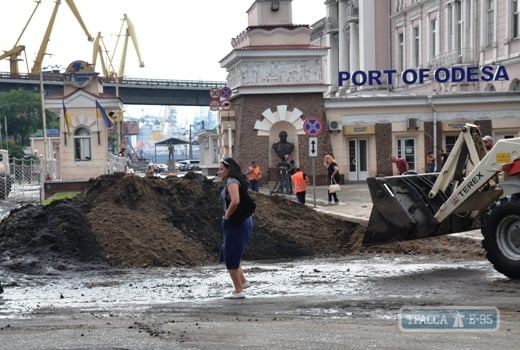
(182, 40)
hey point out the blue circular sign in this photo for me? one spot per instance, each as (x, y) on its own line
(312, 126)
(226, 92)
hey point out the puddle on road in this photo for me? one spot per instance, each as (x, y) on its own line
(140, 289)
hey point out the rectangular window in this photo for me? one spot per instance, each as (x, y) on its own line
(450, 27)
(400, 52)
(400, 5)
(416, 47)
(450, 142)
(433, 38)
(515, 33)
(490, 21)
(406, 149)
(458, 29)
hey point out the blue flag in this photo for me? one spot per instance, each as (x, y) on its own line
(102, 113)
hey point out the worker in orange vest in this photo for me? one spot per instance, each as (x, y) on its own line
(253, 175)
(300, 181)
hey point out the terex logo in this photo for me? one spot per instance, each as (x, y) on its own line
(473, 183)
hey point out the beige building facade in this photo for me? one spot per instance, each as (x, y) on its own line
(81, 150)
(417, 70)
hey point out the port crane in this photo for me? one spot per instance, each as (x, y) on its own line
(126, 32)
(14, 53)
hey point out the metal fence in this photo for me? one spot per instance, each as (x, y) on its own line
(24, 185)
(26, 180)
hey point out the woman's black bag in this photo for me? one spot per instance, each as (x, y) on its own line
(245, 209)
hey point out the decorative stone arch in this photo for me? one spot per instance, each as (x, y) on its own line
(490, 87)
(515, 85)
(275, 121)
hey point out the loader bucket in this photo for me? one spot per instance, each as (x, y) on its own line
(402, 210)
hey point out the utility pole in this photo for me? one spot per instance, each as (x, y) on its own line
(190, 145)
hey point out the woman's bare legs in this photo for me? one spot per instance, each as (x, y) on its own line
(238, 278)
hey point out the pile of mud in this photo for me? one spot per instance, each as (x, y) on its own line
(129, 221)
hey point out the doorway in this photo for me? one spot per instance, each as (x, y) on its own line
(357, 159)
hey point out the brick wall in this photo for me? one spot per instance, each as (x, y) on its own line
(248, 145)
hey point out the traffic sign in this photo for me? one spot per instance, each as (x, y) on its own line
(226, 92)
(226, 105)
(313, 147)
(312, 126)
(214, 105)
(214, 93)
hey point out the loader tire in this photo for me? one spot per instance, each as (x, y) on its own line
(501, 231)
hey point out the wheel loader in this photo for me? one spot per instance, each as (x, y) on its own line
(474, 189)
(5, 177)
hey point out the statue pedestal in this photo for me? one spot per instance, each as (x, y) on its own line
(171, 165)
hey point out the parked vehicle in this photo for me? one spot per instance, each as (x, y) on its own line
(188, 165)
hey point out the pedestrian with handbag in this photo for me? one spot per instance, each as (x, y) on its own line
(332, 178)
(237, 223)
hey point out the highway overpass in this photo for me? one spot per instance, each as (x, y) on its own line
(133, 91)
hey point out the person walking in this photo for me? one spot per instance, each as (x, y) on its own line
(332, 176)
(300, 181)
(401, 165)
(430, 162)
(236, 235)
(253, 175)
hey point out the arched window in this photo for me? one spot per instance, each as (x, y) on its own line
(82, 145)
(515, 85)
(490, 87)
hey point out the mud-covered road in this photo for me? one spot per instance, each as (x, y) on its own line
(334, 303)
(129, 264)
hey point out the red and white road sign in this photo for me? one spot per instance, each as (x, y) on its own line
(214, 93)
(226, 105)
(214, 105)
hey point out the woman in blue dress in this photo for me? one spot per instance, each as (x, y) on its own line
(236, 235)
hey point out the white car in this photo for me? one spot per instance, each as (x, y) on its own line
(188, 165)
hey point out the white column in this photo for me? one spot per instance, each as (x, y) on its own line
(343, 42)
(354, 47)
(332, 66)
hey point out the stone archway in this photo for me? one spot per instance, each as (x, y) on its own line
(275, 121)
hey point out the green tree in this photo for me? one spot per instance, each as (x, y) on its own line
(22, 110)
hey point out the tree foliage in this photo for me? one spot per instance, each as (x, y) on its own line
(22, 112)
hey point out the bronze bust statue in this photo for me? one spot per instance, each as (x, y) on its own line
(283, 148)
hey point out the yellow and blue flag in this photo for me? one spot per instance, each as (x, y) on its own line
(102, 113)
(68, 117)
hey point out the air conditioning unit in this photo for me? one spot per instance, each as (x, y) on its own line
(413, 123)
(334, 126)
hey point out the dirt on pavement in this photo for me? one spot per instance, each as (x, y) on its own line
(352, 294)
(130, 221)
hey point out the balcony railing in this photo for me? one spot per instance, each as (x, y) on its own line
(453, 57)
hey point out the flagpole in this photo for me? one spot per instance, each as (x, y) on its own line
(97, 123)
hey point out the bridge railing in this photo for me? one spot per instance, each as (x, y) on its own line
(125, 81)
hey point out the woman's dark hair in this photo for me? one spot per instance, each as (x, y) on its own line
(235, 170)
